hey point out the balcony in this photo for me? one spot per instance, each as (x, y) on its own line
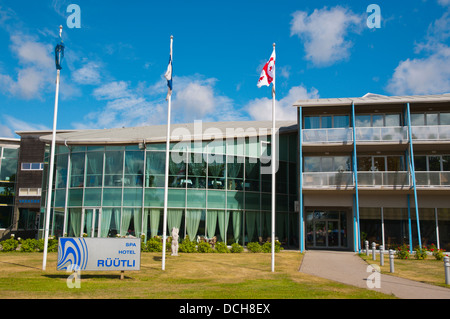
(327, 136)
(397, 134)
(338, 180)
(395, 180)
(379, 180)
(431, 133)
(433, 179)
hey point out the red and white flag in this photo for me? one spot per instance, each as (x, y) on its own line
(268, 72)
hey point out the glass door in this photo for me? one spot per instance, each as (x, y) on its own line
(333, 233)
(326, 229)
(320, 230)
(91, 222)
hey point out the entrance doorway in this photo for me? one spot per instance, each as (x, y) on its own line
(326, 229)
(91, 221)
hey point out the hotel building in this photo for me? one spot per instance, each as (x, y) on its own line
(373, 168)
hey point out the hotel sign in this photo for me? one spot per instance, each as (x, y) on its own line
(105, 254)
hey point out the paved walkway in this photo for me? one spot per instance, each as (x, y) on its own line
(350, 269)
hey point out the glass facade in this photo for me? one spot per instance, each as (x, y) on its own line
(8, 171)
(215, 189)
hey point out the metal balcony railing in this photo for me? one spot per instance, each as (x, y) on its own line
(395, 180)
(433, 179)
(431, 133)
(384, 179)
(376, 134)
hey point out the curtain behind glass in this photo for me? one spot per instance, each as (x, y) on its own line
(106, 222)
(211, 223)
(127, 213)
(88, 213)
(75, 221)
(174, 219)
(94, 169)
(155, 215)
(237, 217)
(137, 213)
(192, 222)
(223, 218)
(250, 218)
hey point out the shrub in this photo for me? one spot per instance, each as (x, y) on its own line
(29, 245)
(204, 247)
(421, 253)
(267, 247)
(402, 252)
(254, 247)
(153, 245)
(437, 253)
(236, 248)
(187, 246)
(221, 247)
(9, 244)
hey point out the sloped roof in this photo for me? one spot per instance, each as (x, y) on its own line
(158, 133)
(371, 98)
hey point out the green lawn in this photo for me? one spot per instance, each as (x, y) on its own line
(429, 270)
(188, 276)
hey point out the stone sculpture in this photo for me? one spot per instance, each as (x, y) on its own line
(175, 241)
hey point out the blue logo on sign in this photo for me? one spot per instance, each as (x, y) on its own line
(73, 251)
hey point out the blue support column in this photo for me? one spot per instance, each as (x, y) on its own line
(300, 162)
(409, 224)
(355, 174)
(413, 173)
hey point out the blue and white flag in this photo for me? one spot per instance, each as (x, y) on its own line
(168, 74)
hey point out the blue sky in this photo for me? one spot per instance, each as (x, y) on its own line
(114, 63)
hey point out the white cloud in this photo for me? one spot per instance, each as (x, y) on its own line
(429, 74)
(87, 74)
(261, 109)
(324, 33)
(35, 74)
(12, 124)
(444, 2)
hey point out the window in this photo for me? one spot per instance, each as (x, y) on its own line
(326, 121)
(432, 163)
(32, 166)
(377, 120)
(29, 192)
(430, 118)
(327, 163)
(391, 163)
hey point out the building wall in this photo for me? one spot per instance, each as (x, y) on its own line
(214, 190)
(384, 186)
(9, 150)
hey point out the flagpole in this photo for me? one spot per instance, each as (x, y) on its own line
(166, 176)
(52, 155)
(273, 150)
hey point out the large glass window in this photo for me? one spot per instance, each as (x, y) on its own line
(326, 121)
(208, 192)
(155, 169)
(377, 120)
(196, 171)
(77, 169)
(430, 118)
(327, 163)
(94, 169)
(114, 168)
(235, 172)
(134, 168)
(216, 171)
